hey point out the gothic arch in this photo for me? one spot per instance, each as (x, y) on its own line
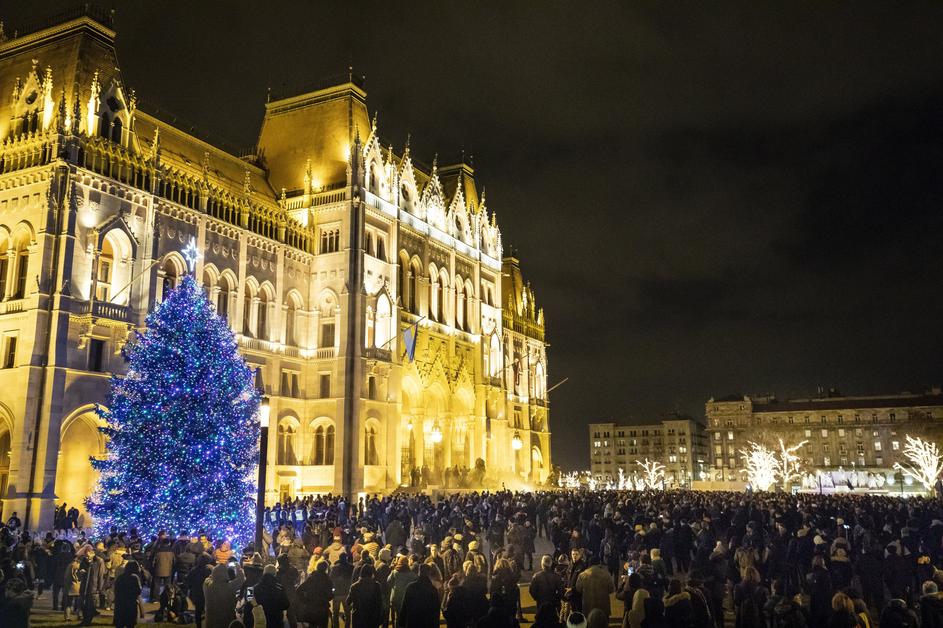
(79, 440)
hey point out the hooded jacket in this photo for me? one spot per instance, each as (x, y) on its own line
(931, 610)
(679, 613)
(219, 593)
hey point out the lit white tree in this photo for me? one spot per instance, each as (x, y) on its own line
(789, 465)
(654, 473)
(761, 466)
(925, 462)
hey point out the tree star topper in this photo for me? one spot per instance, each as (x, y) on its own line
(191, 254)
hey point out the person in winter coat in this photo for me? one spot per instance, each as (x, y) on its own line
(636, 615)
(271, 596)
(841, 569)
(219, 593)
(421, 602)
(897, 615)
(679, 612)
(72, 586)
(92, 585)
(127, 592)
(365, 600)
(546, 617)
(456, 607)
(843, 612)
(898, 573)
(700, 607)
(314, 597)
(749, 598)
(395, 534)
(476, 584)
(596, 619)
(341, 574)
(820, 592)
(163, 568)
(399, 579)
(504, 590)
(201, 570)
(16, 604)
(931, 606)
(546, 587)
(594, 586)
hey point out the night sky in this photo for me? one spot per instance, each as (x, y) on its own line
(708, 198)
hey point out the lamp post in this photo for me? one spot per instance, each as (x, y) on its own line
(264, 410)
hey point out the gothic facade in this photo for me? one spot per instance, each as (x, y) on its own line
(321, 248)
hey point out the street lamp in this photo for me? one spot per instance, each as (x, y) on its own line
(516, 443)
(435, 436)
(264, 411)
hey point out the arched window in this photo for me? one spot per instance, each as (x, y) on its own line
(4, 266)
(291, 313)
(495, 356)
(414, 287)
(459, 304)
(322, 450)
(116, 131)
(371, 387)
(104, 126)
(262, 322)
(247, 312)
(368, 243)
(223, 297)
(329, 445)
(22, 269)
(171, 277)
(369, 322)
(540, 383)
(402, 288)
(443, 296)
(371, 457)
(106, 264)
(381, 249)
(383, 322)
(286, 444)
(435, 295)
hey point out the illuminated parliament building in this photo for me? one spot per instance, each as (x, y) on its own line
(320, 247)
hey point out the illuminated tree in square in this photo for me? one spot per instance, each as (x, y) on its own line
(789, 465)
(654, 476)
(925, 464)
(761, 466)
(182, 428)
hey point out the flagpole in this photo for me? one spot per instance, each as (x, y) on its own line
(416, 324)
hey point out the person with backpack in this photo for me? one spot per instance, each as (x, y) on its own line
(749, 598)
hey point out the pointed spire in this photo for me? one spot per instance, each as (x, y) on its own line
(3, 35)
(307, 177)
(132, 101)
(435, 164)
(76, 109)
(283, 199)
(17, 86)
(373, 124)
(63, 121)
(206, 164)
(247, 183)
(96, 87)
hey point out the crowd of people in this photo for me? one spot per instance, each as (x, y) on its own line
(670, 559)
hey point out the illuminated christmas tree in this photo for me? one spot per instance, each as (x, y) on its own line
(182, 428)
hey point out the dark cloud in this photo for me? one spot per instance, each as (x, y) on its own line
(706, 197)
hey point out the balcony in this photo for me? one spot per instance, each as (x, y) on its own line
(375, 353)
(325, 353)
(253, 344)
(12, 307)
(539, 402)
(103, 309)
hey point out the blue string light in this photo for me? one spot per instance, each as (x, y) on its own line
(182, 428)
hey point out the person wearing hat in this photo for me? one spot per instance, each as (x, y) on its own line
(421, 602)
(475, 555)
(400, 578)
(272, 597)
(333, 551)
(365, 601)
(370, 544)
(314, 597)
